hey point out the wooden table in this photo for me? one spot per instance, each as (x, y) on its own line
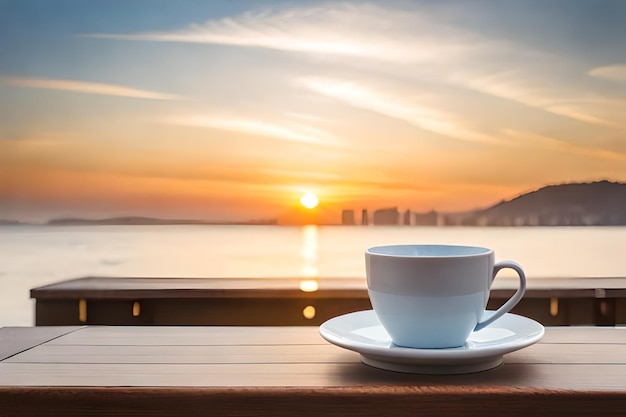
(295, 301)
(279, 371)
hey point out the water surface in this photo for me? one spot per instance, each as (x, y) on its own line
(32, 256)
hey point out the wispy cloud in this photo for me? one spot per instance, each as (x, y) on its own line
(612, 72)
(403, 43)
(512, 85)
(295, 133)
(86, 87)
(353, 30)
(579, 112)
(548, 142)
(515, 85)
(391, 105)
(419, 43)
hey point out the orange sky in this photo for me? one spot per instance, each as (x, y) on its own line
(234, 112)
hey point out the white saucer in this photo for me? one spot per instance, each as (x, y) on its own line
(363, 333)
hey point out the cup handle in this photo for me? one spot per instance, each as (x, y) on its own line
(511, 302)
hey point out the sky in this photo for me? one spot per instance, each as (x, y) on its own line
(232, 110)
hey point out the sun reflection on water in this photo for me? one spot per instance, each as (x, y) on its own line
(308, 251)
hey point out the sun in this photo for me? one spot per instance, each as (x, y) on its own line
(309, 200)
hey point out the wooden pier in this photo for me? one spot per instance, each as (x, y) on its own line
(295, 301)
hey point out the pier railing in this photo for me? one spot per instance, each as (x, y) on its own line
(295, 301)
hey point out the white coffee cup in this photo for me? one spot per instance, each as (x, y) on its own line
(434, 296)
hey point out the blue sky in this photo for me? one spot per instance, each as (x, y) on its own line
(233, 109)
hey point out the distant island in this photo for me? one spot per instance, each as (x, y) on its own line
(147, 221)
(9, 222)
(601, 203)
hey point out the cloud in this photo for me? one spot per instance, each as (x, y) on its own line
(86, 87)
(511, 85)
(613, 72)
(391, 105)
(560, 145)
(348, 30)
(295, 133)
(415, 40)
(416, 46)
(550, 97)
(580, 113)
(418, 43)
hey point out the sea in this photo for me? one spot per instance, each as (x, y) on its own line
(36, 255)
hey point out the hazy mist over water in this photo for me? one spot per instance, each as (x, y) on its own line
(32, 256)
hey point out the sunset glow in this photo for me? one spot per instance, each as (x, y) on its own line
(309, 201)
(230, 111)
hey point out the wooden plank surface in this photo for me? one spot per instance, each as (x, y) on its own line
(365, 401)
(283, 354)
(583, 358)
(236, 335)
(17, 339)
(281, 371)
(545, 377)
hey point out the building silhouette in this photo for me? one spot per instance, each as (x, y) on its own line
(426, 219)
(387, 216)
(364, 218)
(407, 218)
(347, 217)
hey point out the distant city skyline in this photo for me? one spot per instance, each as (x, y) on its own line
(600, 203)
(233, 110)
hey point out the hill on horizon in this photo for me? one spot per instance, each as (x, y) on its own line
(600, 203)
